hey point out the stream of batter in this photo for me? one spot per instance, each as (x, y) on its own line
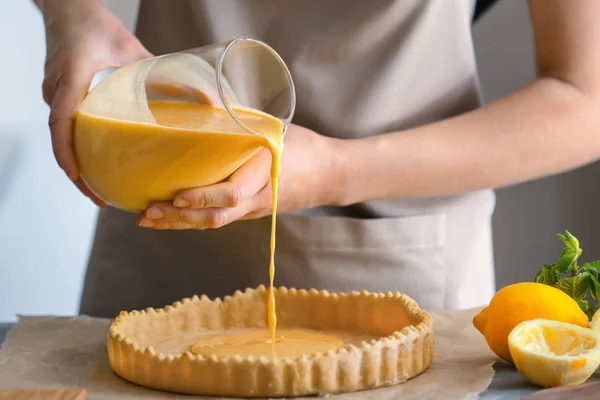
(274, 343)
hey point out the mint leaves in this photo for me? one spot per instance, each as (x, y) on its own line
(581, 280)
(575, 286)
(548, 275)
(569, 255)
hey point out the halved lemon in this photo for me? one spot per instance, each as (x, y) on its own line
(552, 353)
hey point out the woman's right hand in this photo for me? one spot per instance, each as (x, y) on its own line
(82, 38)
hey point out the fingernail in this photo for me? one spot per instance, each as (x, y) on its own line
(179, 202)
(155, 213)
(146, 224)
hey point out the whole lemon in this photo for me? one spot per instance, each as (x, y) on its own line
(521, 302)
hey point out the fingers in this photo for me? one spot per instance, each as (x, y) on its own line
(244, 184)
(70, 91)
(163, 225)
(246, 192)
(87, 192)
(166, 216)
(64, 100)
(175, 89)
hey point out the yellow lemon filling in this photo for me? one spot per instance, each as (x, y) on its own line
(258, 343)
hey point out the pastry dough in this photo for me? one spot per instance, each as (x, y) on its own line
(387, 339)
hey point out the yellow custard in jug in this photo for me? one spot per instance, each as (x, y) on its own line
(129, 164)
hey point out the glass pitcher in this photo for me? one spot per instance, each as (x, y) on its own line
(181, 120)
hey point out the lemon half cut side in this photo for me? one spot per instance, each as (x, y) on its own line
(552, 353)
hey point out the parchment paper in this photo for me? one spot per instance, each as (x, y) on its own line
(71, 351)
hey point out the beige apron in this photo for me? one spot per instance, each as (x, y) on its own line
(361, 68)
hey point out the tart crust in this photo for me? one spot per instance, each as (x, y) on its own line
(402, 347)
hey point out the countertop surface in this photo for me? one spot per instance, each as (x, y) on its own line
(506, 384)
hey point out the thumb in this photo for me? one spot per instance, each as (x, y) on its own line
(241, 186)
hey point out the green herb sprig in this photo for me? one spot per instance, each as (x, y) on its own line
(580, 280)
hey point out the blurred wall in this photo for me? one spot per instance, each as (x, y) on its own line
(46, 226)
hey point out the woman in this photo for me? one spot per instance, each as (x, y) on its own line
(389, 167)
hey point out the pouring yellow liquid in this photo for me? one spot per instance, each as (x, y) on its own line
(130, 164)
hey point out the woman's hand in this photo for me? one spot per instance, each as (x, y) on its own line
(307, 180)
(82, 38)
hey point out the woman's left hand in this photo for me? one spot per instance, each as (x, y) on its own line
(308, 179)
